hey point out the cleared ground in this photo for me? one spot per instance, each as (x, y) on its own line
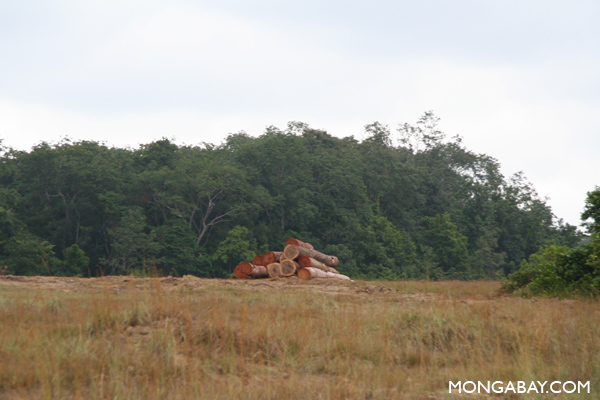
(190, 338)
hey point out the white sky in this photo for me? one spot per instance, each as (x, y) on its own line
(517, 79)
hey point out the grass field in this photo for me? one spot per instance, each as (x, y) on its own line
(189, 338)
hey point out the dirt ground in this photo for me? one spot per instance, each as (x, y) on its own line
(119, 284)
(365, 290)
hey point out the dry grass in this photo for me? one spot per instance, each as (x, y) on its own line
(198, 339)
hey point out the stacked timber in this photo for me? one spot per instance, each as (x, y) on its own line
(298, 258)
(247, 270)
(311, 273)
(289, 267)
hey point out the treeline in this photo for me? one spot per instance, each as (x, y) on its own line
(409, 203)
(560, 270)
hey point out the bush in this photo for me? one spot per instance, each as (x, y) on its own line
(559, 271)
(76, 262)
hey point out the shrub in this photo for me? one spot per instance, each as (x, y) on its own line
(559, 271)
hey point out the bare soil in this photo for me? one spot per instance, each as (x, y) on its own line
(125, 284)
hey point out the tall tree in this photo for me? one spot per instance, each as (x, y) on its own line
(61, 187)
(449, 245)
(133, 244)
(203, 189)
(592, 211)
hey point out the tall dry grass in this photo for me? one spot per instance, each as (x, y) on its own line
(240, 342)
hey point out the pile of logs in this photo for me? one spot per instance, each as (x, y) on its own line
(297, 259)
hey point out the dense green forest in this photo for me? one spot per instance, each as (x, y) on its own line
(404, 203)
(561, 270)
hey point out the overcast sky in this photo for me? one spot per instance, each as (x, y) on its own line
(517, 79)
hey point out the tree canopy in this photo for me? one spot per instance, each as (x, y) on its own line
(406, 204)
(557, 270)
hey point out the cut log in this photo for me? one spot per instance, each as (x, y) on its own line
(274, 270)
(271, 257)
(289, 267)
(259, 272)
(257, 260)
(309, 262)
(243, 270)
(247, 270)
(293, 251)
(299, 243)
(313, 273)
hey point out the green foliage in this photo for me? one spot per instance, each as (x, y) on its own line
(202, 189)
(428, 267)
(449, 246)
(158, 154)
(9, 223)
(398, 245)
(485, 259)
(539, 273)
(396, 205)
(133, 247)
(61, 187)
(560, 270)
(237, 246)
(592, 211)
(379, 249)
(76, 262)
(177, 251)
(25, 254)
(22, 252)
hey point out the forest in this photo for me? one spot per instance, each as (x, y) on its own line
(407, 203)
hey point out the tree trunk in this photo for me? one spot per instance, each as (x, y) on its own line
(274, 269)
(289, 267)
(247, 270)
(257, 260)
(299, 243)
(313, 273)
(309, 262)
(271, 257)
(292, 252)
